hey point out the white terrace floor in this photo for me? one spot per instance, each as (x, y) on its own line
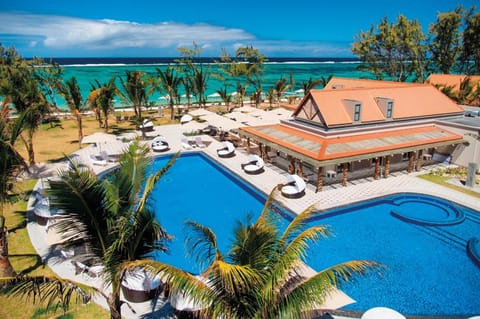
(331, 196)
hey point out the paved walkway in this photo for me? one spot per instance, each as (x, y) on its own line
(331, 196)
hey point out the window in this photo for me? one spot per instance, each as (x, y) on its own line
(389, 109)
(356, 115)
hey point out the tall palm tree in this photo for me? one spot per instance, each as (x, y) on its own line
(136, 91)
(311, 84)
(73, 96)
(10, 163)
(280, 88)
(225, 96)
(260, 277)
(108, 218)
(169, 81)
(101, 98)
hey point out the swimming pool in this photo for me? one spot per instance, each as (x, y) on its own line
(427, 270)
(198, 189)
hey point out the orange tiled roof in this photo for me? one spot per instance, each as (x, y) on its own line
(323, 148)
(410, 101)
(350, 83)
(452, 80)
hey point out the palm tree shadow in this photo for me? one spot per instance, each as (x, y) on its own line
(161, 308)
(23, 222)
(38, 263)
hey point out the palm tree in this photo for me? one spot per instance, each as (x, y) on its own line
(10, 162)
(169, 82)
(261, 276)
(310, 84)
(280, 88)
(108, 218)
(72, 95)
(135, 91)
(225, 96)
(100, 100)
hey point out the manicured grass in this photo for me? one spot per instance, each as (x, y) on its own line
(441, 180)
(25, 261)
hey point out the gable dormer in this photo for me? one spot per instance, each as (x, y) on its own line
(309, 111)
(354, 109)
(386, 105)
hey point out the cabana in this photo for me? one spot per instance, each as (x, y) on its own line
(159, 144)
(227, 150)
(294, 188)
(254, 165)
(139, 286)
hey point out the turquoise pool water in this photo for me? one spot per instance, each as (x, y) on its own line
(427, 270)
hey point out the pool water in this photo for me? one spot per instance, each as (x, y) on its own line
(196, 188)
(426, 268)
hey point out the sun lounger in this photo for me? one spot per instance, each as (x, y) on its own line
(227, 150)
(199, 142)
(98, 160)
(294, 188)
(159, 144)
(254, 165)
(186, 144)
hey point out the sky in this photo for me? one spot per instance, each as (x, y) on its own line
(157, 28)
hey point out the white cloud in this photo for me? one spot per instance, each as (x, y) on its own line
(57, 33)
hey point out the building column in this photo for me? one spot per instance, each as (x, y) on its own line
(265, 153)
(387, 166)
(320, 179)
(344, 174)
(376, 174)
(260, 150)
(419, 160)
(300, 168)
(410, 161)
(291, 167)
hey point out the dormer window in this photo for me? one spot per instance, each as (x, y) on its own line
(356, 114)
(386, 106)
(389, 109)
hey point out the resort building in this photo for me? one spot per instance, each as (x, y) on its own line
(365, 128)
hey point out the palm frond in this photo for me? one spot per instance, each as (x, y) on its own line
(202, 244)
(52, 291)
(153, 179)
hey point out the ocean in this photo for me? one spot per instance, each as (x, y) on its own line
(89, 70)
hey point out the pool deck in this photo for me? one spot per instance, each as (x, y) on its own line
(331, 196)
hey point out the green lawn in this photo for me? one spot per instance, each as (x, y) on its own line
(25, 261)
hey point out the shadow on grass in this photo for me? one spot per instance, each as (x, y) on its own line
(38, 262)
(49, 312)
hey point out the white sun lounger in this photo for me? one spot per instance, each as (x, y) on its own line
(254, 165)
(227, 150)
(294, 188)
(159, 144)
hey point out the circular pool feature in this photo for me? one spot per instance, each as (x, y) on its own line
(427, 271)
(427, 213)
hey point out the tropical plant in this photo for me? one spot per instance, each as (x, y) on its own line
(261, 275)
(470, 57)
(10, 163)
(73, 96)
(311, 84)
(225, 96)
(445, 40)
(169, 81)
(136, 91)
(195, 72)
(280, 88)
(19, 85)
(108, 219)
(392, 50)
(101, 98)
